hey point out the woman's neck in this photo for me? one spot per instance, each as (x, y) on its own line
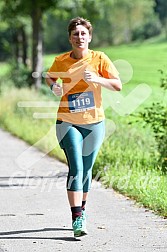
(79, 54)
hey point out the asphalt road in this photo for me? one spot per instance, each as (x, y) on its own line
(35, 215)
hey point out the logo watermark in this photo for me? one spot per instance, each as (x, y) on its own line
(56, 180)
(122, 105)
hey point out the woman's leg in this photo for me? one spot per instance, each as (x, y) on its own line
(81, 145)
(75, 177)
(71, 141)
(91, 146)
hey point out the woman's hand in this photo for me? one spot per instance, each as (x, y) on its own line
(90, 76)
(113, 84)
(57, 89)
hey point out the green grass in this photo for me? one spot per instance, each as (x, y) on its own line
(145, 60)
(4, 69)
(20, 121)
(127, 159)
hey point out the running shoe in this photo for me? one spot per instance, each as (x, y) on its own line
(84, 229)
(77, 227)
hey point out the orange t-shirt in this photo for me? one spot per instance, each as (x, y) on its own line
(81, 102)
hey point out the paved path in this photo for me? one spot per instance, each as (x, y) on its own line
(35, 216)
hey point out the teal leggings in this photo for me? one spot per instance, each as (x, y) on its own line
(81, 144)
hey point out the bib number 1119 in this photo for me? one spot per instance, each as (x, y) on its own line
(80, 102)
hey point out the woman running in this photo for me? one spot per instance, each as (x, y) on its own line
(80, 125)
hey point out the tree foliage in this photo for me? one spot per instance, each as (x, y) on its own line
(33, 9)
(30, 23)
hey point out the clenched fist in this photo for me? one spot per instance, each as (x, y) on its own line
(90, 76)
(57, 89)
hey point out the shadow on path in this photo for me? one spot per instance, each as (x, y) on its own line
(3, 235)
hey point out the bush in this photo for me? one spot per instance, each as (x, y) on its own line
(147, 30)
(21, 76)
(156, 117)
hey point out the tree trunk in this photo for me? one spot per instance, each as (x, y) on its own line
(128, 26)
(37, 46)
(24, 46)
(17, 48)
(20, 45)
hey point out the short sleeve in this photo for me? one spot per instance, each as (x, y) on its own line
(107, 68)
(52, 72)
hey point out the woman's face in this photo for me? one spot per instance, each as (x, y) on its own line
(80, 37)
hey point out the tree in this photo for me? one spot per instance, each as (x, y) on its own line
(34, 9)
(128, 15)
(161, 9)
(15, 25)
(118, 20)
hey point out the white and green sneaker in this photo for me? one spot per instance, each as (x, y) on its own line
(84, 229)
(77, 227)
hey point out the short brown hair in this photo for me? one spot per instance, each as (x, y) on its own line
(79, 21)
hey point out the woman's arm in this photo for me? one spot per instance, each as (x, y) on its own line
(113, 84)
(54, 86)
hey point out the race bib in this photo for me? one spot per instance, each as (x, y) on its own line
(81, 102)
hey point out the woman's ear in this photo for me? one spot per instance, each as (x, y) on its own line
(69, 39)
(90, 38)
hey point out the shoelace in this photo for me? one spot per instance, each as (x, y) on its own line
(78, 222)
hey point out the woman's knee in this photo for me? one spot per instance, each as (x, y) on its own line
(74, 183)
